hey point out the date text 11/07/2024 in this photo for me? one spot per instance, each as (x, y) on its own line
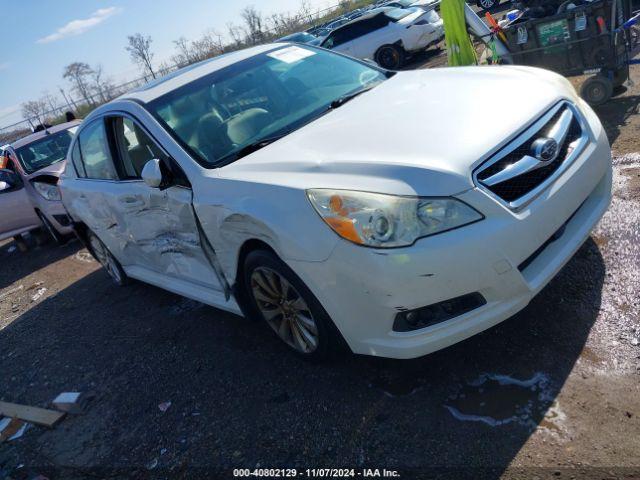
(316, 473)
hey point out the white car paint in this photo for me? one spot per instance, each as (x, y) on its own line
(383, 141)
(414, 32)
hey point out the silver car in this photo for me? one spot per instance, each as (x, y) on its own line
(29, 195)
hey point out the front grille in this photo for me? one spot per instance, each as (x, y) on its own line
(514, 174)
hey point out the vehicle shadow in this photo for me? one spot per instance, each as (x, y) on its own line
(616, 112)
(239, 399)
(17, 264)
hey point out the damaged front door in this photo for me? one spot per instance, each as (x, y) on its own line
(159, 224)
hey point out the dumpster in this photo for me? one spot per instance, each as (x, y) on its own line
(593, 38)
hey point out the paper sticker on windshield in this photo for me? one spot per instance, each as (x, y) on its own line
(291, 54)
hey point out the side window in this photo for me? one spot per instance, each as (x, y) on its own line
(76, 159)
(377, 22)
(135, 147)
(96, 155)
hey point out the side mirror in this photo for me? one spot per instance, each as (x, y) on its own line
(10, 178)
(152, 173)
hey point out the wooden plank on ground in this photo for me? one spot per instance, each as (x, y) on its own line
(39, 416)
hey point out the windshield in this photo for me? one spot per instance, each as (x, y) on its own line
(217, 116)
(46, 151)
(302, 37)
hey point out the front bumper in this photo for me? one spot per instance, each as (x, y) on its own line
(363, 289)
(57, 215)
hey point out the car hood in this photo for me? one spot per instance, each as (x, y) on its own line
(419, 132)
(54, 170)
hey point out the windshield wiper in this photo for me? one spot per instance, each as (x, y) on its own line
(338, 102)
(255, 146)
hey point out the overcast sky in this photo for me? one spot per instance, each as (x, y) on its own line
(41, 37)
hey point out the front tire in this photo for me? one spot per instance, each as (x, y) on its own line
(283, 301)
(107, 260)
(390, 57)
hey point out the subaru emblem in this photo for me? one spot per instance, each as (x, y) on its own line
(545, 149)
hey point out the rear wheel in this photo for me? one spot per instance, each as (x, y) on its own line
(487, 4)
(390, 57)
(285, 303)
(108, 261)
(596, 90)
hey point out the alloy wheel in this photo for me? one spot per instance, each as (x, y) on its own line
(487, 4)
(389, 57)
(284, 309)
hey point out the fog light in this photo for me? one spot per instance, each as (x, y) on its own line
(437, 313)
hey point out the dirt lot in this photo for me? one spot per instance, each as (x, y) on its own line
(552, 392)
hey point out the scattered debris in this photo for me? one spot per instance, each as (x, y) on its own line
(38, 294)
(39, 416)
(185, 305)
(152, 464)
(84, 256)
(11, 292)
(11, 428)
(11, 249)
(634, 341)
(164, 406)
(71, 402)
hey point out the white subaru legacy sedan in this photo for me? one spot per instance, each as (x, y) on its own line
(341, 203)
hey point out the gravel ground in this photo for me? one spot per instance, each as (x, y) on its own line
(552, 392)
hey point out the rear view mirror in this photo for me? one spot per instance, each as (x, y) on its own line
(10, 179)
(152, 173)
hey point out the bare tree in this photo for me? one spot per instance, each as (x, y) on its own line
(102, 84)
(208, 45)
(35, 109)
(139, 49)
(79, 75)
(252, 25)
(50, 100)
(284, 24)
(235, 32)
(183, 57)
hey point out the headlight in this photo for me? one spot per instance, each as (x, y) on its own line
(380, 220)
(47, 191)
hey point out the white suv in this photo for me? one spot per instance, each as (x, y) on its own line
(387, 35)
(335, 200)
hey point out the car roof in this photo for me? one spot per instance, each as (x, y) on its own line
(158, 87)
(43, 133)
(370, 13)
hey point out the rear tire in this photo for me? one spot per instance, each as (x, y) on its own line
(487, 4)
(107, 260)
(278, 296)
(596, 90)
(390, 57)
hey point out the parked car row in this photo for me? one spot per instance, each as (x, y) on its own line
(29, 172)
(387, 35)
(339, 202)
